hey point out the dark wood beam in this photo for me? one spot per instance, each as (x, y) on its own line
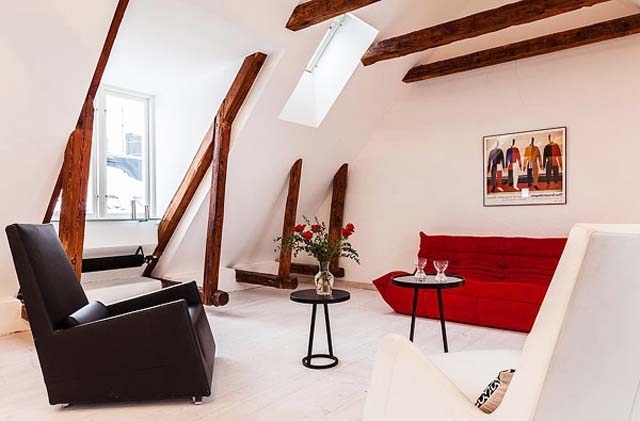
(493, 20)
(204, 157)
(183, 197)
(77, 158)
(290, 213)
(315, 11)
(337, 209)
(118, 16)
(216, 212)
(74, 176)
(268, 280)
(240, 88)
(55, 196)
(546, 44)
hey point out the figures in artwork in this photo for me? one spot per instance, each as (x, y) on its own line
(516, 168)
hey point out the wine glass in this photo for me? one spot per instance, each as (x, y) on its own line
(441, 266)
(421, 263)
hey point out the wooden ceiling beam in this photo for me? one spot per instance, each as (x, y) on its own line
(591, 34)
(316, 11)
(493, 20)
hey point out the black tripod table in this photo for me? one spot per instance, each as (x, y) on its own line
(430, 282)
(309, 296)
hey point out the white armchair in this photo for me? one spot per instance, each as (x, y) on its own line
(580, 361)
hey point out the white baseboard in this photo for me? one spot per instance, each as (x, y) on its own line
(10, 320)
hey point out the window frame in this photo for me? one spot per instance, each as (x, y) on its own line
(98, 167)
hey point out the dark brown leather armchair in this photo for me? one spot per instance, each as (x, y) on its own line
(153, 346)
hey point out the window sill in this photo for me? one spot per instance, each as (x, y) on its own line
(116, 220)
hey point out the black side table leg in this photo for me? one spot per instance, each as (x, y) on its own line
(307, 360)
(413, 313)
(442, 326)
(328, 326)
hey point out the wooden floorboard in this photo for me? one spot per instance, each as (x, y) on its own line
(261, 337)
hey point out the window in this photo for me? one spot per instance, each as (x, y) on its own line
(121, 156)
(329, 70)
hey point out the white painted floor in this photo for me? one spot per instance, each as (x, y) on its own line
(258, 375)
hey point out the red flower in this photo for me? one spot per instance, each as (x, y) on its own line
(307, 235)
(316, 227)
(299, 227)
(349, 227)
(346, 233)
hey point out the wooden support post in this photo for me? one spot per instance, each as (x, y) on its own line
(229, 109)
(74, 187)
(216, 215)
(74, 176)
(316, 11)
(337, 208)
(598, 32)
(290, 213)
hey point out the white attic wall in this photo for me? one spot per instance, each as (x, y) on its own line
(48, 52)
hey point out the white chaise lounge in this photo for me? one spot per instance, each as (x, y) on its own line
(580, 362)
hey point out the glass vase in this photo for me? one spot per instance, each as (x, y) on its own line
(324, 279)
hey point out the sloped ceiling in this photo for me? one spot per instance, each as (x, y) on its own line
(46, 73)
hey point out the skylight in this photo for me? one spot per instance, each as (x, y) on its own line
(329, 70)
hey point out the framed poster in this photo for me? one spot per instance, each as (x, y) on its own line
(525, 168)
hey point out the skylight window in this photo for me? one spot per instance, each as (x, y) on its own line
(329, 70)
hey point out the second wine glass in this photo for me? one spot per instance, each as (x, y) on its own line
(441, 266)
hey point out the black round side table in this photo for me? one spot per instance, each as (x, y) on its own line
(430, 282)
(309, 296)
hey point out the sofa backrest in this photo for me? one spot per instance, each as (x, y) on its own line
(581, 351)
(512, 259)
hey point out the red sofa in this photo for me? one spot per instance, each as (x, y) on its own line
(506, 279)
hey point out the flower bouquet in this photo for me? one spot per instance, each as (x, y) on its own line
(313, 239)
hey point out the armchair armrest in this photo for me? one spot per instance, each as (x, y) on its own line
(187, 291)
(407, 386)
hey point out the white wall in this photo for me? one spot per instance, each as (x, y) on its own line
(423, 169)
(48, 51)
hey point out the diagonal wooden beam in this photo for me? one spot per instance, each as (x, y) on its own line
(240, 88)
(290, 213)
(203, 159)
(546, 44)
(103, 59)
(183, 197)
(493, 20)
(337, 208)
(74, 175)
(55, 196)
(315, 11)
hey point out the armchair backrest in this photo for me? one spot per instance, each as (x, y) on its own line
(582, 340)
(49, 284)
